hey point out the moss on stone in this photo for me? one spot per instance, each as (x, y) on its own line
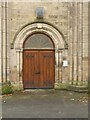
(77, 88)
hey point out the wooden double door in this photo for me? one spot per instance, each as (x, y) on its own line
(38, 68)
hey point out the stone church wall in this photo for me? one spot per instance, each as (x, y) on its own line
(71, 19)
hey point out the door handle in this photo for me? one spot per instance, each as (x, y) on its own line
(37, 73)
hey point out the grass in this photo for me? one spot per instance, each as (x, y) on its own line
(6, 88)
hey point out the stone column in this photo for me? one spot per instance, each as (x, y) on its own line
(0, 43)
(75, 33)
(21, 63)
(86, 41)
(70, 37)
(56, 66)
(18, 82)
(60, 66)
(3, 42)
(80, 42)
(0, 58)
(8, 43)
(75, 43)
(4, 39)
(18, 65)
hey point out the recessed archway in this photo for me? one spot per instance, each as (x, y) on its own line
(38, 61)
(43, 28)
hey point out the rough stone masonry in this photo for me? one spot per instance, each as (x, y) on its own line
(65, 22)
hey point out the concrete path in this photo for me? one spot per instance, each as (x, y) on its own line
(45, 104)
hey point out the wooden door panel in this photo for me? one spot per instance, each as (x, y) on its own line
(47, 68)
(25, 70)
(30, 66)
(38, 68)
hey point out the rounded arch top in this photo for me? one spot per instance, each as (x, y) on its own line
(39, 27)
(38, 40)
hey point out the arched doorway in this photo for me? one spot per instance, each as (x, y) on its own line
(38, 61)
(56, 46)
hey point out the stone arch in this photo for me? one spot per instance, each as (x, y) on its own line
(56, 37)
